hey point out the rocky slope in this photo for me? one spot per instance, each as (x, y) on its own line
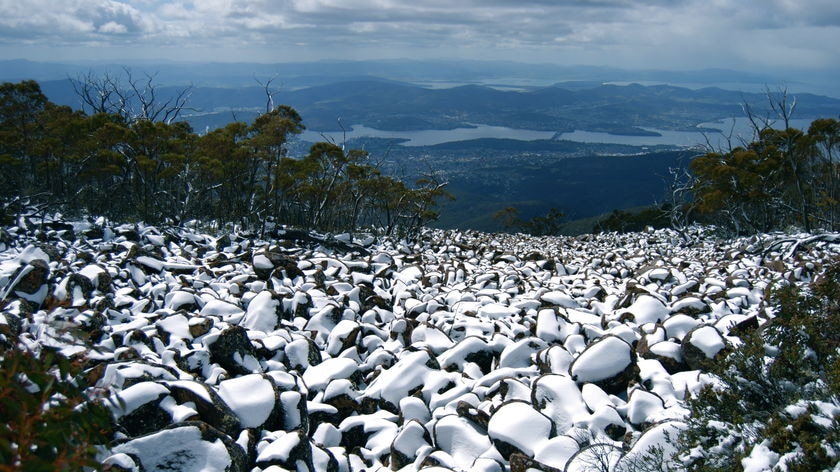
(461, 351)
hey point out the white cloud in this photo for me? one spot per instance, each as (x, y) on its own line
(112, 27)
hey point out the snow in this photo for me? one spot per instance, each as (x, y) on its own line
(178, 412)
(497, 311)
(647, 309)
(176, 325)
(251, 397)
(262, 313)
(557, 451)
(659, 435)
(601, 360)
(192, 386)
(550, 327)
(120, 461)
(150, 262)
(678, 325)
(708, 339)
(413, 408)
(293, 403)
(667, 349)
(318, 376)
(410, 274)
(761, 458)
(92, 272)
(643, 407)
(407, 374)
(559, 298)
(380, 428)
(521, 353)
(262, 262)
(659, 273)
(31, 253)
(454, 348)
(517, 423)
(279, 449)
(179, 298)
(180, 449)
(138, 395)
(220, 309)
(461, 439)
(559, 398)
(689, 303)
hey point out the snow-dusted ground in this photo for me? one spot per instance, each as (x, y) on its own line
(464, 351)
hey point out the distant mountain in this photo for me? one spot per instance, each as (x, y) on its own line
(605, 108)
(443, 72)
(384, 104)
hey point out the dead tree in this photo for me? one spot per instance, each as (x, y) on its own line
(132, 98)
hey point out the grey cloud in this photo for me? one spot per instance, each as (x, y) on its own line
(594, 30)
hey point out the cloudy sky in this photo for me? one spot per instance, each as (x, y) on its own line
(680, 34)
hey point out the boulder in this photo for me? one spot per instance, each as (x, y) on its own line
(702, 347)
(30, 281)
(190, 446)
(411, 440)
(272, 263)
(647, 309)
(138, 410)
(211, 408)
(517, 427)
(668, 353)
(609, 363)
(232, 350)
(264, 312)
(643, 408)
(558, 397)
(254, 399)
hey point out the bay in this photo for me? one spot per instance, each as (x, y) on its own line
(719, 135)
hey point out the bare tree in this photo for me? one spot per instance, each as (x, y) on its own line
(269, 93)
(99, 94)
(595, 457)
(132, 98)
(681, 205)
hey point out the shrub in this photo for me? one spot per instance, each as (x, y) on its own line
(774, 387)
(47, 423)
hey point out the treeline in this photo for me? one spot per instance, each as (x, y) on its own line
(128, 158)
(784, 178)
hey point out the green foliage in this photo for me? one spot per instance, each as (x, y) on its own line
(46, 421)
(541, 225)
(624, 221)
(771, 385)
(132, 166)
(785, 177)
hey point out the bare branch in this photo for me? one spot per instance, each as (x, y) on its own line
(269, 94)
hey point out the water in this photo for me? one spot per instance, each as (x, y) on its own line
(430, 137)
(738, 131)
(738, 135)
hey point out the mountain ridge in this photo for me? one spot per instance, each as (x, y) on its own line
(376, 102)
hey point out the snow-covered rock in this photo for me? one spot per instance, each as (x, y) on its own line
(517, 427)
(702, 345)
(188, 447)
(608, 362)
(457, 351)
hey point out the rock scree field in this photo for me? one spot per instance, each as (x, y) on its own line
(458, 350)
